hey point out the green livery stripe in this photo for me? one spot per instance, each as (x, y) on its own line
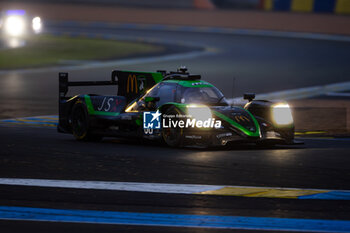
(138, 122)
(92, 111)
(88, 103)
(157, 77)
(256, 133)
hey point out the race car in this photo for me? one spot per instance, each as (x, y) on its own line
(176, 108)
(16, 26)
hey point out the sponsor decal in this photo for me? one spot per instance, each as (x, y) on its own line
(224, 135)
(241, 119)
(105, 105)
(152, 120)
(131, 86)
(191, 123)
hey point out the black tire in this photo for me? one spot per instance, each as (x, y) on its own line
(81, 125)
(173, 136)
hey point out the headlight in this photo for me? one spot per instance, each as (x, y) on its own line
(14, 25)
(199, 112)
(37, 25)
(281, 114)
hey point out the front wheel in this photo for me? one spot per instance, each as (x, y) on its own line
(173, 136)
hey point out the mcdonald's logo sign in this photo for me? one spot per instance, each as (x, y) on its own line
(131, 85)
(241, 118)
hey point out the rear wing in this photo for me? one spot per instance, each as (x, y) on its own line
(64, 84)
(130, 84)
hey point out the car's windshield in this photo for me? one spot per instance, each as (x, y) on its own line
(203, 95)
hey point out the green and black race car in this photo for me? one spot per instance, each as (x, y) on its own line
(176, 108)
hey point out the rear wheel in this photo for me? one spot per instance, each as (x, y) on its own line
(80, 124)
(173, 136)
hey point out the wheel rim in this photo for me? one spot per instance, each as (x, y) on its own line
(172, 136)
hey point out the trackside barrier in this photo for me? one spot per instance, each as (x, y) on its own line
(318, 6)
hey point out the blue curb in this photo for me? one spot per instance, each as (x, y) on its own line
(331, 195)
(173, 220)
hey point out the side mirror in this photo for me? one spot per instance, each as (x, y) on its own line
(151, 99)
(249, 96)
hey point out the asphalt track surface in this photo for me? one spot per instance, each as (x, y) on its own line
(42, 153)
(28, 152)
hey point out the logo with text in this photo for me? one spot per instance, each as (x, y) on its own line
(151, 121)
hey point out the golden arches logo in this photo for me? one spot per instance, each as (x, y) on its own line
(241, 118)
(131, 85)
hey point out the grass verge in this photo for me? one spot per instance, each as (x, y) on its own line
(47, 50)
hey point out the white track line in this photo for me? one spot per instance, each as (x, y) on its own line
(119, 186)
(129, 186)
